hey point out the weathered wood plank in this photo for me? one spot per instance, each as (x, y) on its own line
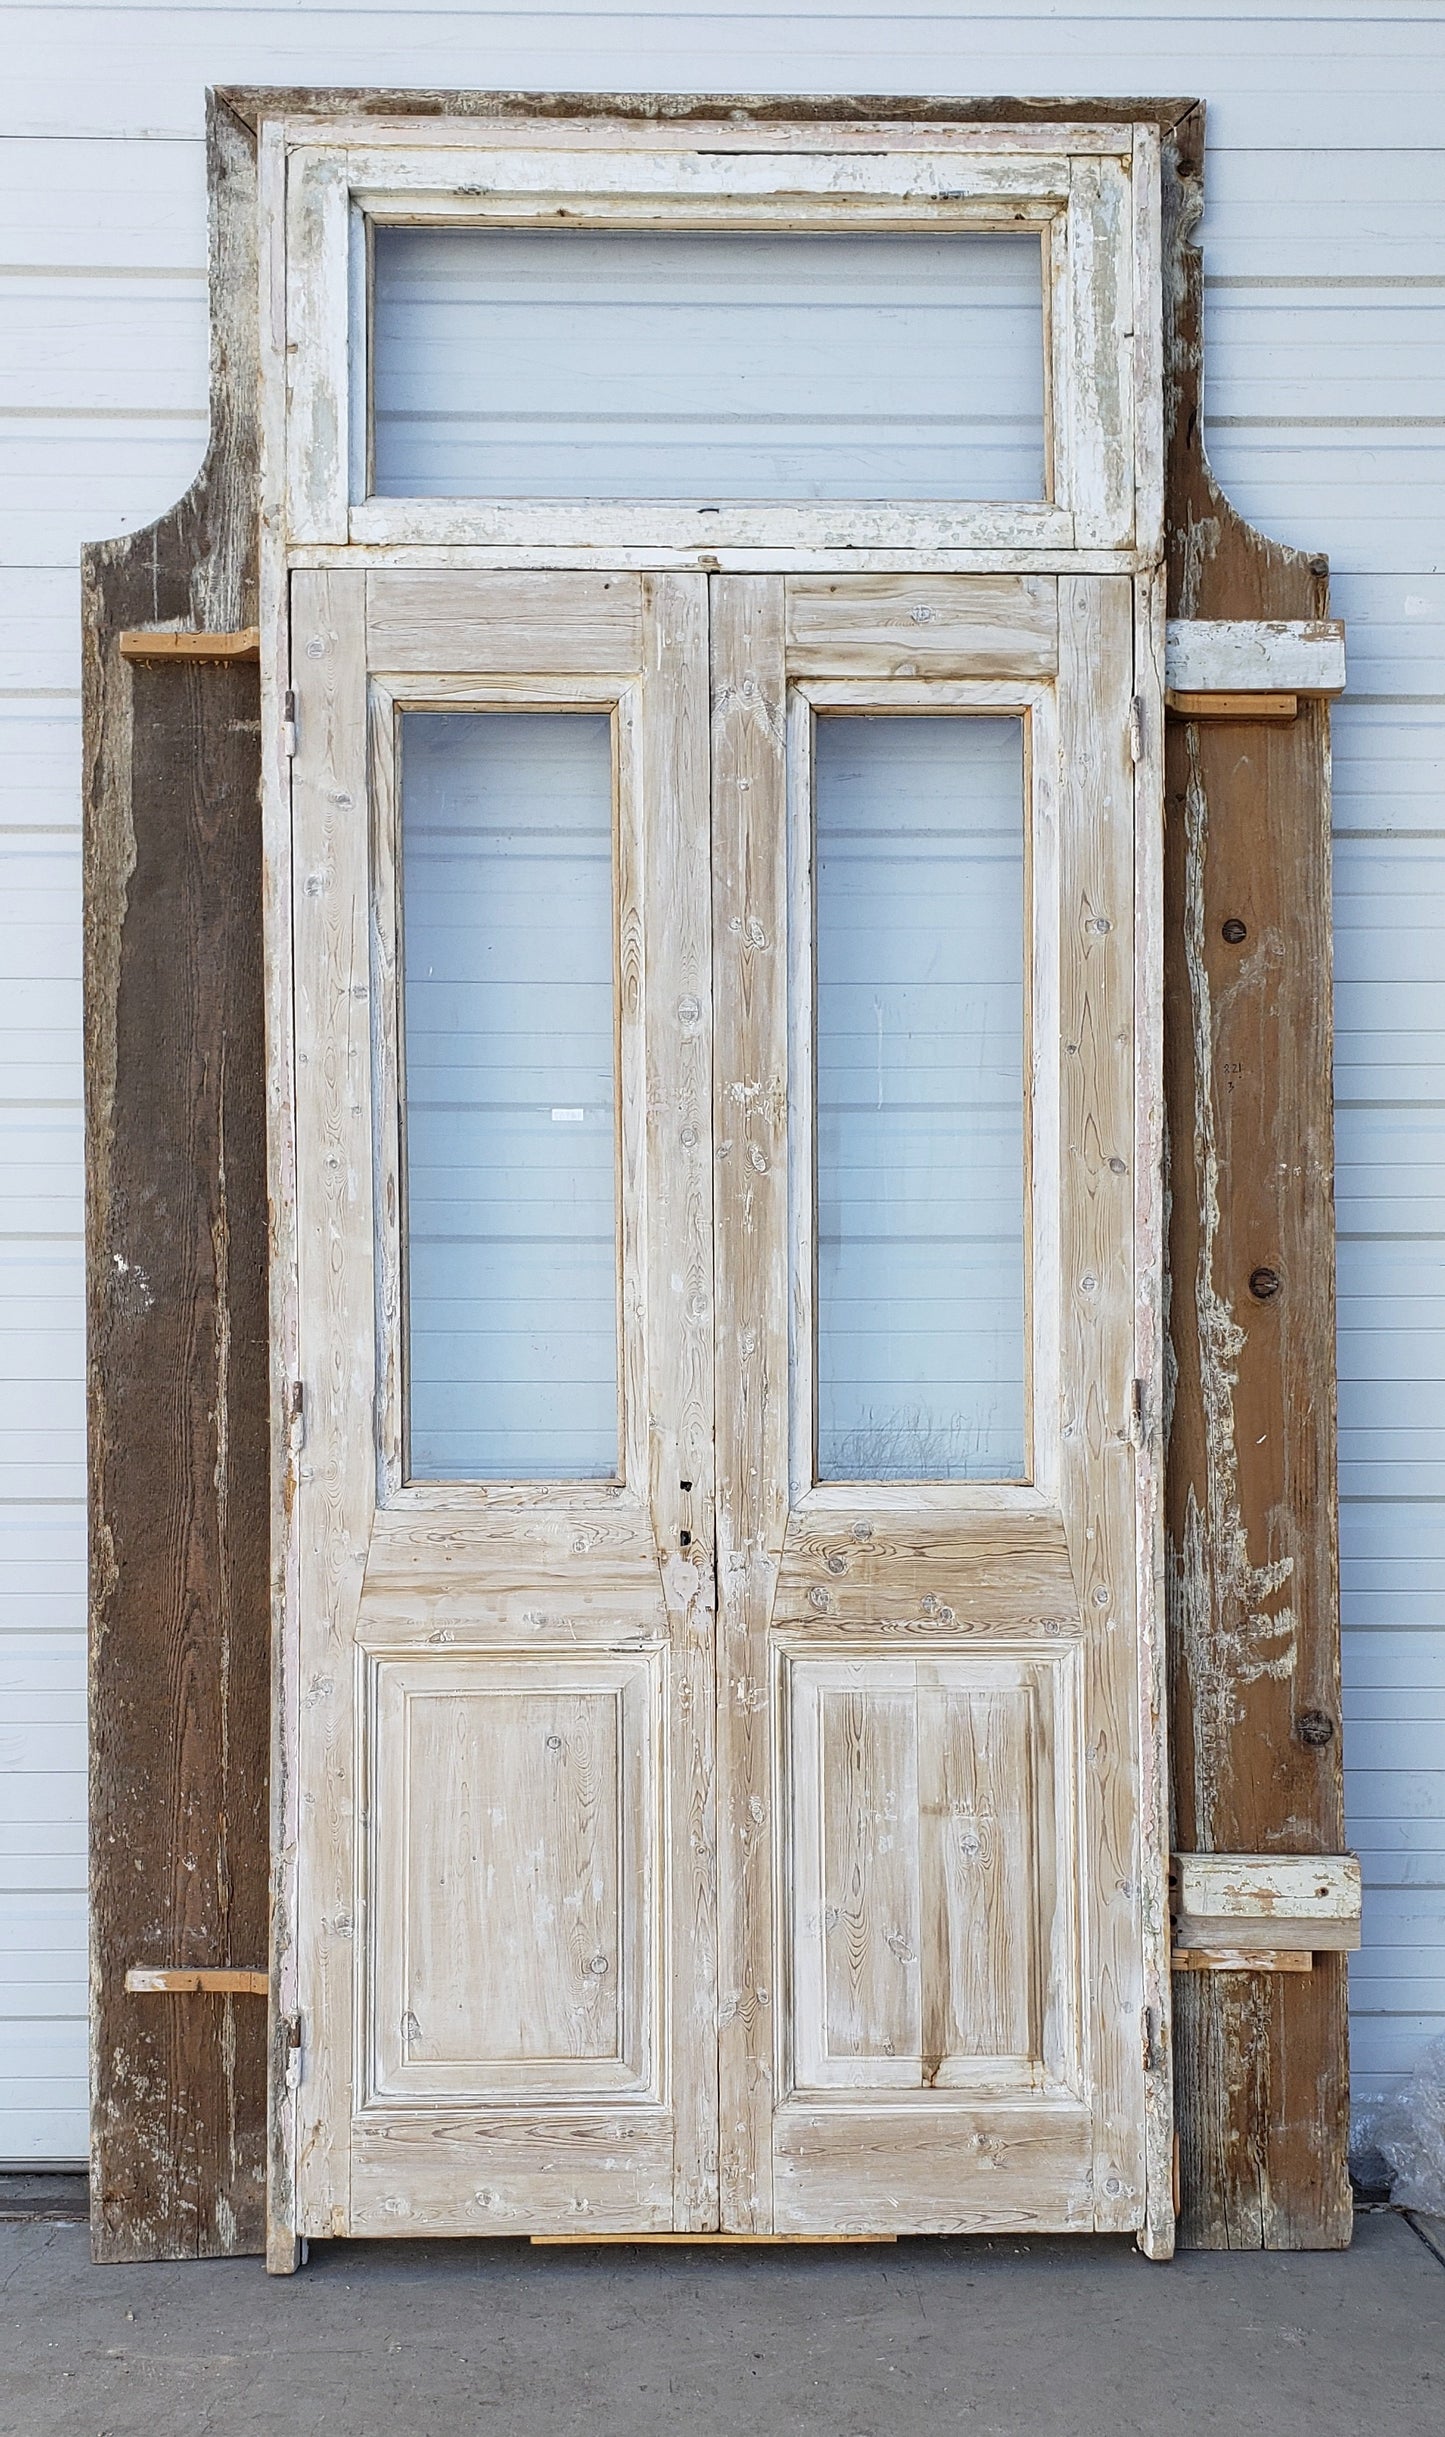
(1277, 707)
(1261, 2059)
(226, 1983)
(750, 1141)
(1268, 1886)
(918, 626)
(1263, 655)
(176, 1250)
(505, 625)
(1254, 1902)
(177, 643)
(669, 908)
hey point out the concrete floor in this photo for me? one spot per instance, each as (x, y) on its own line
(1046, 2338)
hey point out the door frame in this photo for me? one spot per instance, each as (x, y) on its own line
(319, 179)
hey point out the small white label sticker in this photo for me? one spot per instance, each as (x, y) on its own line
(568, 1116)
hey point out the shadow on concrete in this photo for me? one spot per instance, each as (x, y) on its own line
(1008, 2337)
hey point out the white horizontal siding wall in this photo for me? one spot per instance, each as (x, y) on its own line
(1325, 244)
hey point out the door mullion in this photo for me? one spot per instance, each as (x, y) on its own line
(666, 933)
(750, 1103)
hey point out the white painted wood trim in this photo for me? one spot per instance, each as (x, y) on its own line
(720, 135)
(586, 530)
(1321, 1888)
(702, 555)
(482, 183)
(1093, 357)
(1094, 208)
(317, 356)
(283, 1287)
(1255, 655)
(1156, 2238)
(1148, 215)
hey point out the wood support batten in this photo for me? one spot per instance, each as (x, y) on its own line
(170, 643)
(173, 1983)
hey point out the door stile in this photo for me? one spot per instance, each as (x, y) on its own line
(1098, 1452)
(336, 1467)
(665, 962)
(1157, 2236)
(750, 932)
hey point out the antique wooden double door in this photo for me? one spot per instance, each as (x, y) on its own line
(724, 1559)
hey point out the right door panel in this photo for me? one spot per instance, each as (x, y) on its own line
(931, 1639)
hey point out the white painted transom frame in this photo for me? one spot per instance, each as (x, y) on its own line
(1091, 198)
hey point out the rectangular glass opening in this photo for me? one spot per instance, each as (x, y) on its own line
(509, 1096)
(707, 365)
(920, 1030)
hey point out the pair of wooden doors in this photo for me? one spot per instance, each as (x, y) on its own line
(722, 1742)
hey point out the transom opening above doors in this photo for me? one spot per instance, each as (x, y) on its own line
(723, 345)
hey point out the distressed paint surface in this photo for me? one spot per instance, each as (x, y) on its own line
(1262, 2070)
(1261, 2059)
(176, 1237)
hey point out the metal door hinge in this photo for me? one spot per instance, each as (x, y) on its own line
(293, 2052)
(1136, 729)
(1136, 1412)
(296, 1417)
(288, 723)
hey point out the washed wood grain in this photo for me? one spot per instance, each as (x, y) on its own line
(922, 625)
(504, 625)
(750, 1101)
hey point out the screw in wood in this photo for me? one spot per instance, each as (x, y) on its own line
(1264, 1284)
(1315, 1727)
(1234, 930)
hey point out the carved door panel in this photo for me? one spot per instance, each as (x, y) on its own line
(930, 1754)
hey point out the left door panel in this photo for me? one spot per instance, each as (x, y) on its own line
(501, 1716)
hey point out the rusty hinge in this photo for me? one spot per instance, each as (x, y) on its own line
(288, 724)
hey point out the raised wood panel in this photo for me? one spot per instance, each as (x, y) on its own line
(922, 626)
(503, 625)
(512, 1829)
(933, 1858)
